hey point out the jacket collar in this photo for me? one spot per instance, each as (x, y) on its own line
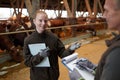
(41, 34)
(110, 42)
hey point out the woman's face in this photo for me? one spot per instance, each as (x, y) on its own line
(40, 22)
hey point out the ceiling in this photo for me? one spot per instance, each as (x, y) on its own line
(4, 3)
(51, 4)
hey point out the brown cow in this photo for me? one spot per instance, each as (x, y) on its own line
(7, 44)
(56, 23)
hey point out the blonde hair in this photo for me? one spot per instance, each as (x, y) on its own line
(40, 12)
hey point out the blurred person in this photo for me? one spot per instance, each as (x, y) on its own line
(54, 49)
(109, 65)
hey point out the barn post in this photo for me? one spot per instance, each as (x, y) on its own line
(95, 8)
(100, 5)
(71, 14)
(29, 8)
(67, 8)
(88, 7)
(36, 6)
(74, 20)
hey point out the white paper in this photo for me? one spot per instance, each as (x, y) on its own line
(34, 49)
(70, 61)
(86, 75)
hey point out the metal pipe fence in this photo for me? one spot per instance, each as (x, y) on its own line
(67, 26)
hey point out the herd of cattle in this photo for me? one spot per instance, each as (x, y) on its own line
(13, 43)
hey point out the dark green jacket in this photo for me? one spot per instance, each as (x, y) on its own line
(57, 49)
(109, 65)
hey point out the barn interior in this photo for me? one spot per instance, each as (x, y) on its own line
(90, 30)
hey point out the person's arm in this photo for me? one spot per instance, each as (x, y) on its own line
(65, 52)
(29, 59)
(111, 69)
(62, 52)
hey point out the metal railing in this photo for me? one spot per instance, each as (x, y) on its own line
(67, 26)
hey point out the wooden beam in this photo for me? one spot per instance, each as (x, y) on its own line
(74, 7)
(22, 5)
(11, 2)
(68, 8)
(29, 8)
(100, 5)
(88, 7)
(35, 5)
(46, 4)
(95, 8)
(17, 5)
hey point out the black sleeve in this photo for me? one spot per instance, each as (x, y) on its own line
(61, 49)
(29, 59)
(111, 69)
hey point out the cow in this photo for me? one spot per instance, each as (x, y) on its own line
(7, 44)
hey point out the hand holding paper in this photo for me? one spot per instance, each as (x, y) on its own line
(37, 48)
(44, 52)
